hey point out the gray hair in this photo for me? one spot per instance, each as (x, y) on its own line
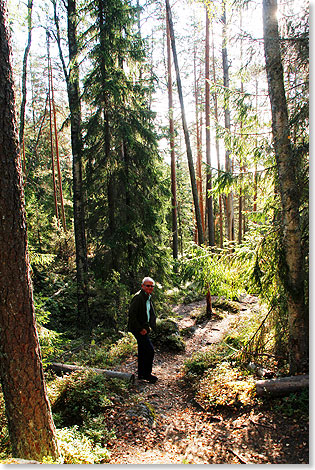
(146, 279)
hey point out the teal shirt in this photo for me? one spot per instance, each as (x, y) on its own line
(148, 307)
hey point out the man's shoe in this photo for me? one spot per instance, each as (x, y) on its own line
(152, 379)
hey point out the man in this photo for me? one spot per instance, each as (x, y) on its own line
(141, 319)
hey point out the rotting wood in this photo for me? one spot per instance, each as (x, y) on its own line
(58, 367)
(282, 386)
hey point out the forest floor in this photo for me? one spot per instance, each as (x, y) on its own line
(183, 433)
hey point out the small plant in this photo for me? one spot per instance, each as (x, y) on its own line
(295, 404)
(77, 448)
(123, 348)
(5, 446)
(225, 386)
(226, 305)
(167, 335)
(200, 362)
(77, 396)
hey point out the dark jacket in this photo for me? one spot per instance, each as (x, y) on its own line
(137, 317)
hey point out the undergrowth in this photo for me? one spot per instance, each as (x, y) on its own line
(218, 373)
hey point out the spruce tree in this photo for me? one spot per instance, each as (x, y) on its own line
(126, 196)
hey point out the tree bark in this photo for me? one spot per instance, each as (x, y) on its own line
(30, 423)
(209, 199)
(217, 143)
(24, 72)
(227, 123)
(73, 88)
(185, 128)
(282, 386)
(293, 276)
(172, 143)
(66, 368)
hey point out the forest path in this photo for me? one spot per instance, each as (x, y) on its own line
(182, 433)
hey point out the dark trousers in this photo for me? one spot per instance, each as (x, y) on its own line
(145, 355)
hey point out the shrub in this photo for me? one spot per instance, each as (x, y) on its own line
(77, 396)
(200, 361)
(77, 448)
(122, 349)
(167, 335)
(225, 386)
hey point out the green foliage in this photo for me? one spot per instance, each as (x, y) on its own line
(125, 177)
(122, 349)
(225, 386)
(167, 335)
(295, 404)
(5, 446)
(200, 362)
(226, 273)
(109, 300)
(50, 340)
(77, 448)
(80, 395)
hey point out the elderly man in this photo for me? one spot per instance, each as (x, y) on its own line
(141, 319)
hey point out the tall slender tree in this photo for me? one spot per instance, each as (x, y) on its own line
(172, 142)
(24, 73)
(209, 199)
(72, 77)
(30, 423)
(217, 142)
(185, 129)
(198, 137)
(227, 121)
(52, 149)
(292, 274)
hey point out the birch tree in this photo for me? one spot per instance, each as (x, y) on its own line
(293, 272)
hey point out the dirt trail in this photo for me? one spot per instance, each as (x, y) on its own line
(183, 434)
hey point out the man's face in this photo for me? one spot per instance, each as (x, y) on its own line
(148, 287)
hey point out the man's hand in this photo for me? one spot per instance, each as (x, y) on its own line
(143, 332)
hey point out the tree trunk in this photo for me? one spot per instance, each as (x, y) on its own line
(63, 218)
(185, 128)
(241, 196)
(293, 276)
(217, 143)
(172, 143)
(73, 88)
(114, 374)
(24, 73)
(209, 199)
(281, 386)
(227, 123)
(51, 132)
(198, 145)
(30, 423)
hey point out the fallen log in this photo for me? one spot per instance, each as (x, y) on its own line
(281, 386)
(58, 368)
